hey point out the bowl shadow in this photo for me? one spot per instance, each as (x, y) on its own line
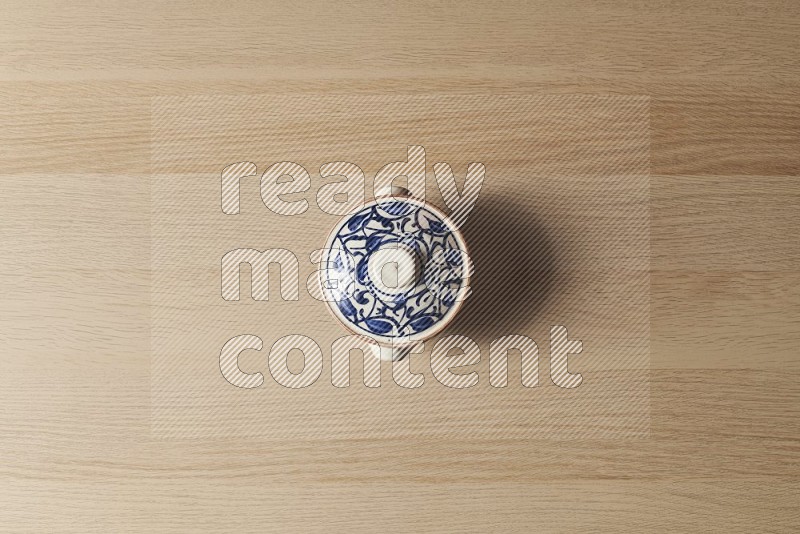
(515, 270)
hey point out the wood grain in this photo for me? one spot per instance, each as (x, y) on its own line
(76, 81)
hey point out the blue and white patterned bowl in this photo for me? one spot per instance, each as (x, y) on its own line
(395, 270)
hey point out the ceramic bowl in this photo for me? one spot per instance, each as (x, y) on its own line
(395, 270)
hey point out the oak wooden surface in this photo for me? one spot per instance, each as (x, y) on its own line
(77, 80)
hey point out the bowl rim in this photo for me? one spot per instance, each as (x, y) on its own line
(439, 326)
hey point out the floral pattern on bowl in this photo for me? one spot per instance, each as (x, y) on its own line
(415, 311)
